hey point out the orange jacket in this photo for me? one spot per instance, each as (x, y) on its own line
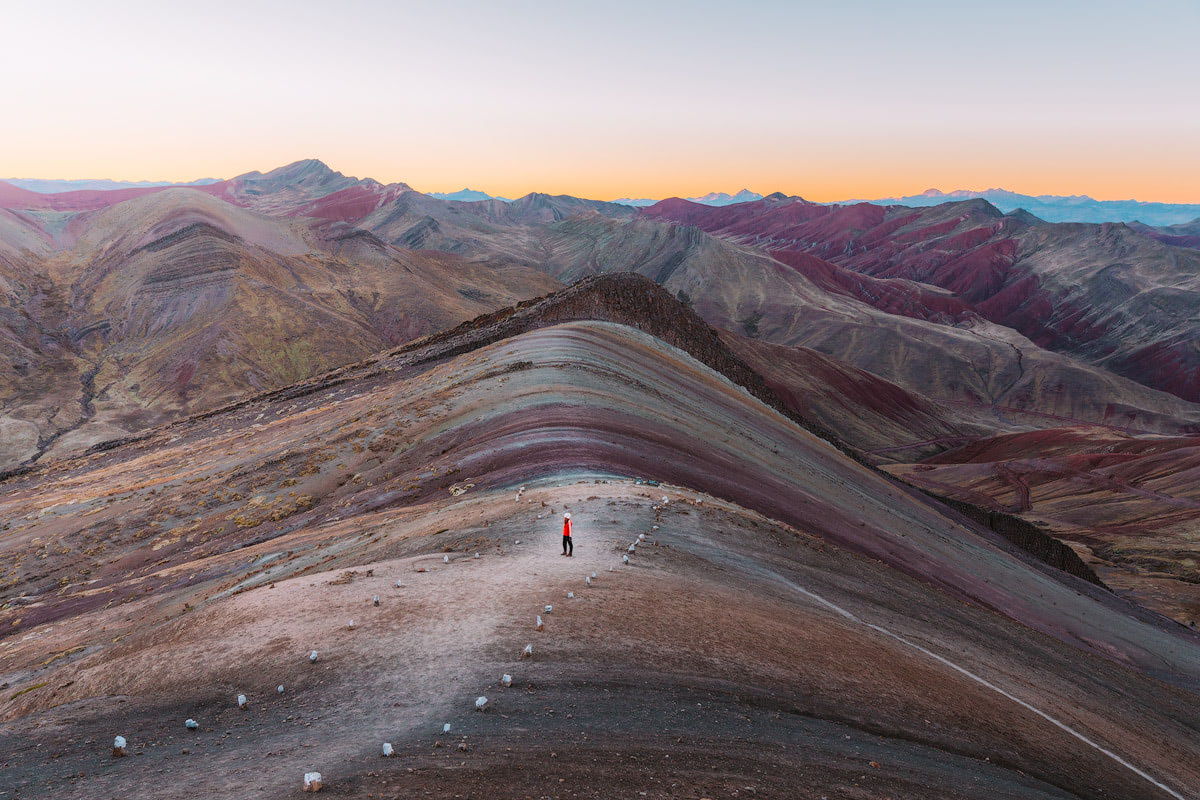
(566, 527)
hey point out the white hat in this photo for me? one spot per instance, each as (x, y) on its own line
(567, 515)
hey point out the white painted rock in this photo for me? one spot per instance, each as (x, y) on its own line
(549, 609)
(518, 541)
(445, 559)
(588, 581)
(477, 555)
(312, 781)
(528, 651)
(570, 595)
(119, 750)
(593, 576)
(191, 724)
(480, 703)
(506, 680)
(641, 537)
(446, 728)
(376, 599)
(279, 688)
(388, 752)
(633, 547)
(539, 622)
(665, 500)
(312, 657)
(351, 625)
(624, 559)
(241, 701)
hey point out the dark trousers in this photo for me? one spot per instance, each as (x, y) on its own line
(568, 546)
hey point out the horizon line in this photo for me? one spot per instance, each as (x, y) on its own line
(628, 196)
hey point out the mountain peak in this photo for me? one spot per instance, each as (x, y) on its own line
(308, 167)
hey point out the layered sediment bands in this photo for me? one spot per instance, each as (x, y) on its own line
(1128, 503)
(591, 396)
(1106, 294)
(190, 301)
(790, 610)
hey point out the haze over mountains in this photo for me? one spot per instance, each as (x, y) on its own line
(52, 186)
(231, 414)
(1053, 208)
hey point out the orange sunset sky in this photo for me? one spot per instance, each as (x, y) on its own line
(616, 99)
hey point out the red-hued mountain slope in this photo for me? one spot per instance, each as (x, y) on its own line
(1104, 293)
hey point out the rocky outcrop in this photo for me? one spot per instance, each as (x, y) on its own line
(1027, 536)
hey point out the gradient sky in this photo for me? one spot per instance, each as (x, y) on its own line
(828, 100)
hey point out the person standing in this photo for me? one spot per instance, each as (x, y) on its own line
(568, 545)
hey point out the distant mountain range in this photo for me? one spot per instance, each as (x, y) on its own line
(1051, 208)
(467, 196)
(51, 186)
(1054, 208)
(710, 199)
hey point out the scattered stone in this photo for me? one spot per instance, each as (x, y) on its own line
(399, 584)
(624, 559)
(570, 595)
(641, 537)
(119, 746)
(665, 500)
(279, 688)
(241, 701)
(376, 599)
(633, 547)
(506, 680)
(593, 576)
(388, 752)
(445, 559)
(446, 728)
(588, 580)
(312, 657)
(312, 782)
(351, 625)
(518, 541)
(477, 554)
(191, 724)
(528, 652)
(539, 622)
(480, 703)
